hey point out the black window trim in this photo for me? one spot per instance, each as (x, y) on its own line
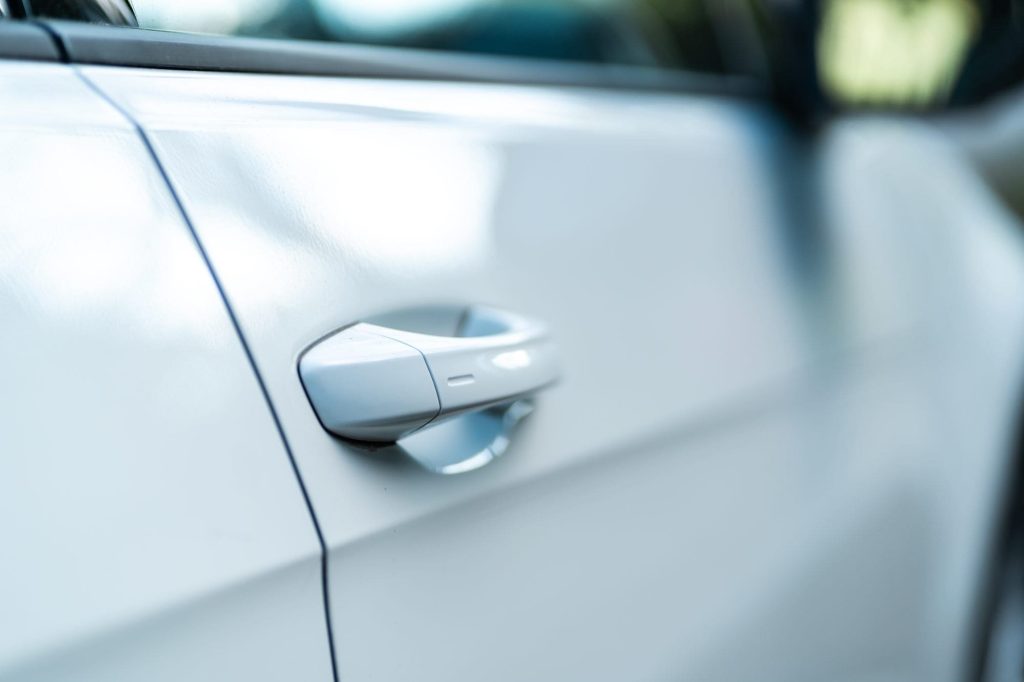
(83, 43)
(22, 40)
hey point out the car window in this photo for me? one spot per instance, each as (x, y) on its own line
(816, 55)
(662, 33)
(118, 12)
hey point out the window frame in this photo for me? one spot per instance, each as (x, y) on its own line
(96, 44)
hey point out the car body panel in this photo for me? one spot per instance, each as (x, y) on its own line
(152, 524)
(788, 380)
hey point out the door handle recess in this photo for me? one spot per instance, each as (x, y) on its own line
(372, 383)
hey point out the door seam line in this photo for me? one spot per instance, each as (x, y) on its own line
(235, 323)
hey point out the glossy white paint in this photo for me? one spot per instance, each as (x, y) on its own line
(151, 525)
(781, 423)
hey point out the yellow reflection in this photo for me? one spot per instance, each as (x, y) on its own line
(895, 52)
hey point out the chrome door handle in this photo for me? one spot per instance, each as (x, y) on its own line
(371, 383)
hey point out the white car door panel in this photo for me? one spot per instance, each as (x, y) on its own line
(686, 503)
(151, 524)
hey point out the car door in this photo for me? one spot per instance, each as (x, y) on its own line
(758, 462)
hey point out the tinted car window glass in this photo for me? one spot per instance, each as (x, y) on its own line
(116, 12)
(662, 33)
